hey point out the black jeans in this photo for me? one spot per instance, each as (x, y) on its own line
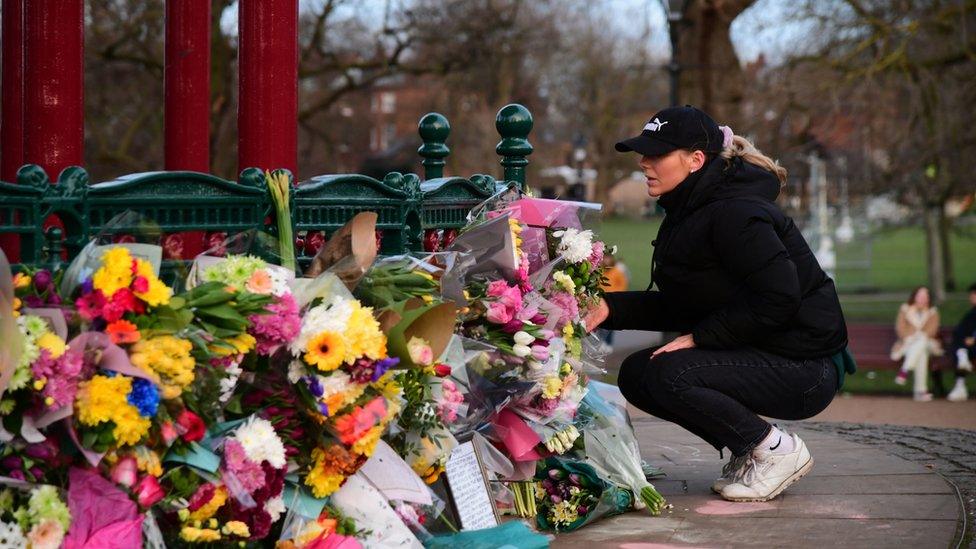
(717, 394)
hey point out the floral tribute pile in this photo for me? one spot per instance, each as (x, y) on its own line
(242, 406)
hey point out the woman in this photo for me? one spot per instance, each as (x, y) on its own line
(762, 327)
(917, 327)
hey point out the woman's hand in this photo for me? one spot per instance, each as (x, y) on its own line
(680, 342)
(596, 315)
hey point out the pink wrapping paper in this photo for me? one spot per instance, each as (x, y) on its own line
(519, 439)
(542, 212)
(102, 516)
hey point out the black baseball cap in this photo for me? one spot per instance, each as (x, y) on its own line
(676, 128)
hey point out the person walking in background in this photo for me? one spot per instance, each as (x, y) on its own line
(963, 349)
(917, 327)
(617, 280)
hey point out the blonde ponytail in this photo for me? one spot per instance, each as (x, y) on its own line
(741, 146)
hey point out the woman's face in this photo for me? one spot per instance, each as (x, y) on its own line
(922, 300)
(664, 173)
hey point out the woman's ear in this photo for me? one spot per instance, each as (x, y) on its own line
(696, 160)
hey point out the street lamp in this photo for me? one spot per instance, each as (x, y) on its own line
(675, 10)
(579, 159)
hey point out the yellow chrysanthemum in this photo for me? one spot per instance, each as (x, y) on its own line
(208, 509)
(102, 399)
(169, 358)
(148, 461)
(54, 344)
(321, 482)
(115, 272)
(363, 336)
(194, 535)
(552, 386)
(243, 342)
(98, 397)
(157, 294)
(236, 528)
(325, 351)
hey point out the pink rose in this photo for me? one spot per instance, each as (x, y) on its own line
(498, 313)
(511, 298)
(148, 491)
(420, 351)
(496, 288)
(125, 471)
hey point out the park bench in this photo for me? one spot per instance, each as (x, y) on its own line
(871, 346)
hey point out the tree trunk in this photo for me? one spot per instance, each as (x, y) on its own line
(934, 253)
(945, 227)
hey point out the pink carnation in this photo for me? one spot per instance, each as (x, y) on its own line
(568, 307)
(277, 327)
(596, 255)
(250, 474)
(62, 376)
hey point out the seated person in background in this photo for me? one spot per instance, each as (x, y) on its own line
(917, 326)
(963, 349)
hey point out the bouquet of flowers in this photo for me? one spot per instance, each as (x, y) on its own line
(245, 498)
(340, 369)
(570, 494)
(34, 517)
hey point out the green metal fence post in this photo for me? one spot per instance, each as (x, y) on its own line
(434, 130)
(514, 122)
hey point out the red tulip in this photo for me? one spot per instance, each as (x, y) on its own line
(442, 370)
(148, 491)
(125, 471)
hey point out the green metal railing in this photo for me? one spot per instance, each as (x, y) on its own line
(412, 214)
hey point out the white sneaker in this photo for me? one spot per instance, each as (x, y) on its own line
(923, 397)
(730, 471)
(766, 475)
(959, 392)
(962, 359)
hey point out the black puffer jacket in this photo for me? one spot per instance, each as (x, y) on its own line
(734, 271)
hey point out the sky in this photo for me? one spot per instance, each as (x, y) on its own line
(757, 30)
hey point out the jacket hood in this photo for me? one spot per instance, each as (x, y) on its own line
(721, 180)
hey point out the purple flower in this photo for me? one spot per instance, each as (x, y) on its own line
(314, 386)
(87, 286)
(383, 365)
(323, 409)
(54, 299)
(33, 301)
(12, 462)
(582, 510)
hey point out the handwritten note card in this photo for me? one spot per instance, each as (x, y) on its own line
(469, 489)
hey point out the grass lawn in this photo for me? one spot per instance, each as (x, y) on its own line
(873, 279)
(882, 382)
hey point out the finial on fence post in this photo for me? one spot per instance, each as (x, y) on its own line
(53, 247)
(434, 129)
(514, 122)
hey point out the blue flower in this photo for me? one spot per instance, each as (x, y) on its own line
(144, 396)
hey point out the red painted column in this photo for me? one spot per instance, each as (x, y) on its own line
(267, 115)
(187, 103)
(187, 85)
(11, 104)
(54, 41)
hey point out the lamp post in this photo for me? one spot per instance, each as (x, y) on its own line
(579, 158)
(675, 11)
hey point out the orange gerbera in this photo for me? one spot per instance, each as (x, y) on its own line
(325, 351)
(122, 332)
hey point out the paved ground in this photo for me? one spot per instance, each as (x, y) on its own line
(875, 484)
(858, 495)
